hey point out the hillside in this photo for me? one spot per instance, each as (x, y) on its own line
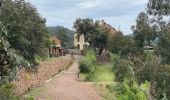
(55, 30)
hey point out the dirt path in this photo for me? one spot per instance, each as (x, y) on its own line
(67, 87)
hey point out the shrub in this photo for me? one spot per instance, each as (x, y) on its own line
(38, 59)
(114, 58)
(90, 77)
(6, 92)
(85, 66)
(127, 91)
(91, 56)
(122, 70)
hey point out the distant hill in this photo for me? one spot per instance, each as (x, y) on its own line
(130, 35)
(54, 30)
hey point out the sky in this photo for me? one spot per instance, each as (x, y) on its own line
(121, 14)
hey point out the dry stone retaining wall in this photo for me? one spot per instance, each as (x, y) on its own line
(46, 70)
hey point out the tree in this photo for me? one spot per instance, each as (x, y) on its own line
(95, 34)
(99, 39)
(144, 34)
(163, 48)
(8, 58)
(159, 7)
(86, 27)
(26, 28)
(64, 38)
(121, 44)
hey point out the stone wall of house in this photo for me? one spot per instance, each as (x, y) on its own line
(46, 70)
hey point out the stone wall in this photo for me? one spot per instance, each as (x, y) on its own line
(46, 70)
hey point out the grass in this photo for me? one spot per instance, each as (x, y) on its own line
(35, 92)
(103, 73)
(52, 59)
(103, 91)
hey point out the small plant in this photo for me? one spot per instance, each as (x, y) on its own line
(91, 56)
(27, 77)
(128, 90)
(114, 58)
(30, 98)
(6, 92)
(85, 66)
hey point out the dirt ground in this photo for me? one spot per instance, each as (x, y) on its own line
(67, 87)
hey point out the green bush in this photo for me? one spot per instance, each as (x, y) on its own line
(6, 92)
(86, 66)
(90, 77)
(114, 58)
(38, 59)
(122, 70)
(30, 98)
(128, 91)
(91, 56)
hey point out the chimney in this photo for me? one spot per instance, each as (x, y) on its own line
(103, 22)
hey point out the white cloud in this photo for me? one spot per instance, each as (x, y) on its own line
(118, 13)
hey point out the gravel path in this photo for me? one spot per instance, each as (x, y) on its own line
(67, 87)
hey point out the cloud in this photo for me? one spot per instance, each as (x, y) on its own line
(118, 13)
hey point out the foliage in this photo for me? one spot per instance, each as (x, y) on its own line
(27, 32)
(85, 66)
(128, 91)
(122, 45)
(91, 56)
(6, 92)
(99, 39)
(95, 34)
(85, 26)
(8, 58)
(122, 70)
(38, 59)
(114, 58)
(87, 63)
(162, 78)
(147, 68)
(159, 7)
(103, 73)
(55, 31)
(64, 34)
(163, 45)
(144, 34)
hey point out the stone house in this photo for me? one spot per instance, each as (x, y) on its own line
(56, 49)
(82, 44)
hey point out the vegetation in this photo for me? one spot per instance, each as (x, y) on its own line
(103, 73)
(9, 59)
(27, 32)
(139, 73)
(125, 92)
(64, 34)
(85, 66)
(87, 63)
(121, 44)
(23, 42)
(95, 34)
(6, 92)
(134, 69)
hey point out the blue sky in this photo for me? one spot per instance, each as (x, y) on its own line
(121, 14)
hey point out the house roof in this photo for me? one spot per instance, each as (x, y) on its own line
(55, 39)
(108, 26)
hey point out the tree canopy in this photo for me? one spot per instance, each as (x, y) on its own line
(144, 34)
(65, 35)
(94, 33)
(27, 31)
